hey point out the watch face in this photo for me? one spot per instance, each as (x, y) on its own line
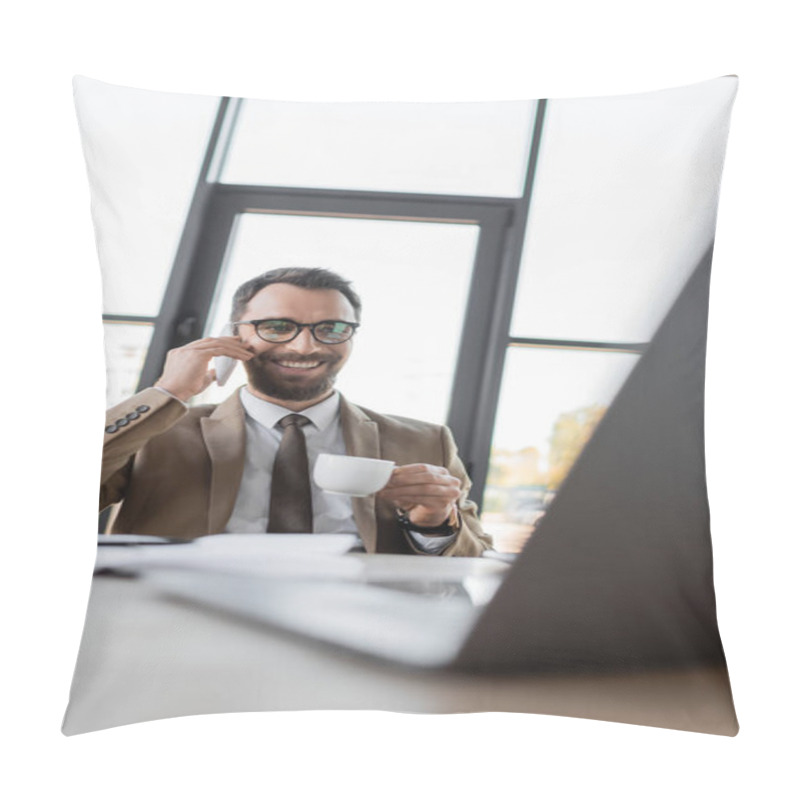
(447, 528)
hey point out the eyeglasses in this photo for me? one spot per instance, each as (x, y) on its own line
(329, 331)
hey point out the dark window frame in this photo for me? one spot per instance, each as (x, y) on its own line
(503, 222)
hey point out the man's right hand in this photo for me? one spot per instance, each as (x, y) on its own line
(186, 370)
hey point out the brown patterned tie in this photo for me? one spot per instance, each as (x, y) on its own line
(290, 500)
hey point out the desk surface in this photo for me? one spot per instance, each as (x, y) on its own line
(145, 657)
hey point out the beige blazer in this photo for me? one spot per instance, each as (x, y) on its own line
(176, 472)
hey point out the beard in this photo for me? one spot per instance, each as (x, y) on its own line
(264, 378)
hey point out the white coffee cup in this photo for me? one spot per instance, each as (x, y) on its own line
(351, 475)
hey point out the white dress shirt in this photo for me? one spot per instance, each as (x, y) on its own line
(331, 513)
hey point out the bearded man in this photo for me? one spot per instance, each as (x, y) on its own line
(184, 472)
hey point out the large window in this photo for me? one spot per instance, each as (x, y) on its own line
(503, 291)
(148, 146)
(431, 148)
(550, 401)
(591, 293)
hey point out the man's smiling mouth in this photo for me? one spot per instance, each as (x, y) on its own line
(307, 365)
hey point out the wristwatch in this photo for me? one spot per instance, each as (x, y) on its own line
(450, 526)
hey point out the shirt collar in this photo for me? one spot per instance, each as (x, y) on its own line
(322, 415)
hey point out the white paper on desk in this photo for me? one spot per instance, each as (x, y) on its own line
(294, 544)
(275, 555)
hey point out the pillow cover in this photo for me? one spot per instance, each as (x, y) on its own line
(520, 291)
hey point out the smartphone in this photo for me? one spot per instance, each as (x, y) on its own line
(223, 365)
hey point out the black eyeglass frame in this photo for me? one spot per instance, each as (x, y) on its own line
(312, 326)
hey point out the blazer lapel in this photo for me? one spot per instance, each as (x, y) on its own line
(224, 436)
(361, 439)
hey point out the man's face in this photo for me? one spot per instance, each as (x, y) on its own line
(303, 369)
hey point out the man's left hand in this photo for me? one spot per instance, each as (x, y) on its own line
(428, 494)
